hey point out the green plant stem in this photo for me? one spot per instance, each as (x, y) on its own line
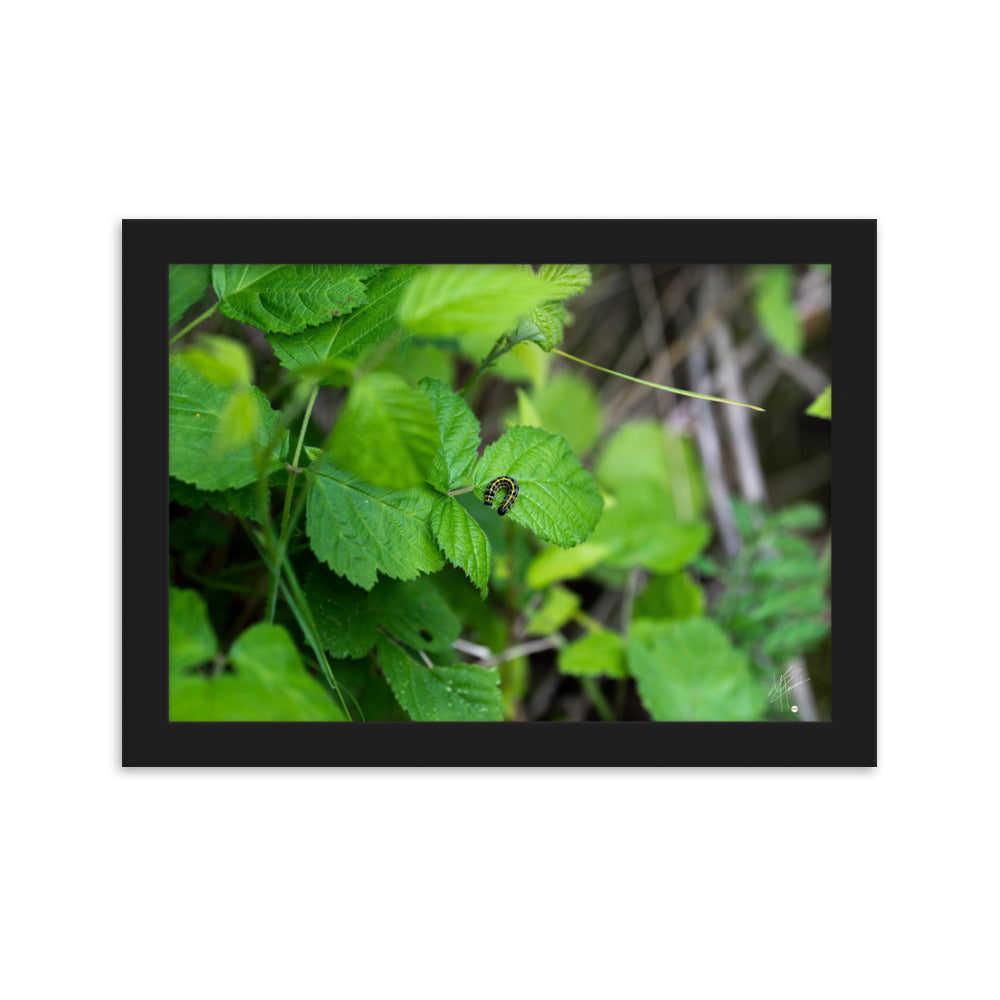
(193, 324)
(656, 385)
(299, 606)
(599, 701)
(464, 489)
(501, 347)
(287, 509)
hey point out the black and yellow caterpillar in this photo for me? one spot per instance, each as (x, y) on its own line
(502, 482)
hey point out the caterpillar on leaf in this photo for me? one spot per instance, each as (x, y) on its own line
(506, 483)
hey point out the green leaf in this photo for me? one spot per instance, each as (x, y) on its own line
(221, 359)
(638, 529)
(797, 517)
(192, 638)
(286, 298)
(463, 542)
(558, 499)
(793, 638)
(776, 310)
(349, 619)
(553, 564)
(600, 653)
(270, 684)
(527, 415)
(542, 325)
(347, 336)
(357, 528)
(486, 299)
(670, 597)
(386, 434)
(199, 419)
(568, 405)
(643, 449)
(522, 363)
(559, 606)
(416, 360)
(188, 283)
(457, 436)
(688, 671)
(822, 405)
(365, 682)
(243, 501)
(564, 280)
(440, 694)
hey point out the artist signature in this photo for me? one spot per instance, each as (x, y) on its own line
(793, 677)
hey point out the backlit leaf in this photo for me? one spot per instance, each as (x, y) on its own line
(386, 433)
(487, 299)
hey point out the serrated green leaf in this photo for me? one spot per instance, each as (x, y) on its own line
(311, 349)
(386, 434)
(553, 564)
(188, 283)
(558, 499)
(457, 436)
(597, 654)
(243, 501)
(270, 684)
(542, 325)
(670, 597)
(822, 405)
(192, 638)
(359, 529)
(564, 280)
(558, 607)
(286, 298)
(568, 405)
(197, 405)
(440, 694)
(775, 308)
(349, 619)
(687, 671)
(484, 299)
(463, 542)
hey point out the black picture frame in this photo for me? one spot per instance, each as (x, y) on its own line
(148, 738)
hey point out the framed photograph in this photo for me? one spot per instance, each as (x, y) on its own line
(498, 492)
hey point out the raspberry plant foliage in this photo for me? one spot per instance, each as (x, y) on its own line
(350, 521)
